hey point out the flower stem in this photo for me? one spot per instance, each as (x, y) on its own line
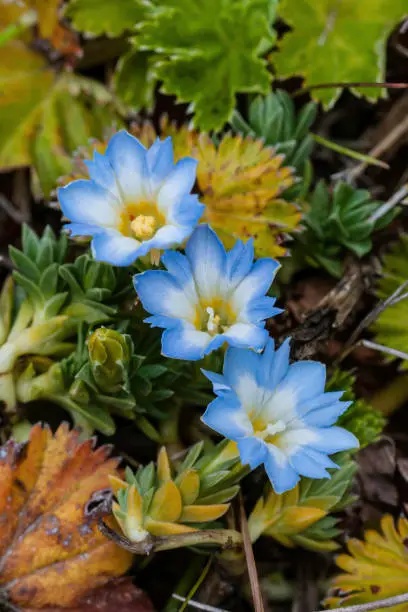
(226, 538)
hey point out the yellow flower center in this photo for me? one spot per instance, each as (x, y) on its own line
(269, 432)
(143, 226)
(141, 220)
(214, 317)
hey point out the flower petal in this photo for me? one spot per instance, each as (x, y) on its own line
(127, 157)
(226, 416)
(83, 229)
(114, 248)
(282, 475)
(320, 458)
(207, 258)
(262, 308)
(160, 161)
(325, 415)
(185, 342)
(333, 440)
(220, 384)
(240, 370)
(168, 237)
(253, 451)
(162, 321)
(242, 335)
(305, 379)
(306, 466)
(295, 438)
(86, 202)
(188, 211)
(178, 184)
(101, 172)
(280, 365)
(239, 261)
(255, 284)
(160, 294)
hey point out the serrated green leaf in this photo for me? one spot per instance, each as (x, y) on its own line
(332, 42)
(133, 81)
(112, 18)
(207, 52)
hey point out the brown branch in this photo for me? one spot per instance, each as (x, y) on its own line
(250, 559)
(381, 147)
(389, 602)
(370, 318)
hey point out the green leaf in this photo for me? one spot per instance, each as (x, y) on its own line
(207, 52)
(133, 81)
(110, 17)
(391, 326)
(24, 264)
(152, 371)
(45, 115)
(336, 41)
(274, 119)
(338, 219)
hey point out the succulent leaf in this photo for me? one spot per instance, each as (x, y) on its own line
(338, 220)
(300, 517)
(174, 500)
(273, 119)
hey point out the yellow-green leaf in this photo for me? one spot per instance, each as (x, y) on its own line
(375, 568)
(166, 504)
(44, 116)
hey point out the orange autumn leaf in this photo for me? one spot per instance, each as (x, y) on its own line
(119, 594)
(52, 553)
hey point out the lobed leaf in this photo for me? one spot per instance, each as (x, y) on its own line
(207, 52)
(112, 18)
(332, 42)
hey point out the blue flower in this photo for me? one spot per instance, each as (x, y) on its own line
(278, 414)
(208, 297)
(136, 201)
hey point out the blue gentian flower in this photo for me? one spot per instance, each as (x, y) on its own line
(136, 201)
(208, 297)
(278, 414)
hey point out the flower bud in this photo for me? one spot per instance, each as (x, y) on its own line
(109, 354)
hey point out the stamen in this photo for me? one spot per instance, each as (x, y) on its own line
(155, 257)
(214, 321)
(271, 430)
(143, 226)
